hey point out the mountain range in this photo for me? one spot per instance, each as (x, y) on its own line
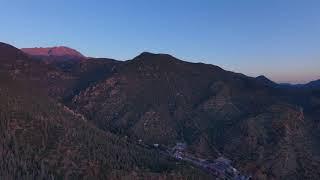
(65, 115)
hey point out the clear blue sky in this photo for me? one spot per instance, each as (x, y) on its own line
(277, 38)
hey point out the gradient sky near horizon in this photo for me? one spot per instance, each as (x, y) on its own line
(277, 38)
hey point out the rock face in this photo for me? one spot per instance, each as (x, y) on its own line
(268, 132)
(60, 51)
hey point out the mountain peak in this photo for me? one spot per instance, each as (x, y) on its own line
(59, 51)
(263, 79)
(154, 56)
(147, 54)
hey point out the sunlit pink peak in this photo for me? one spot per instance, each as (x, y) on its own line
(53, 51)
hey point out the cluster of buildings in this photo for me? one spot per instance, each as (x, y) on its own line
(220, 167)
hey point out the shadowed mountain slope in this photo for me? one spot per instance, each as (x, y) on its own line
(313, 84)
(160, 99)
(268, 132)
(43, 139)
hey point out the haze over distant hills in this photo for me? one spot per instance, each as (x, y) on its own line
(80, 117)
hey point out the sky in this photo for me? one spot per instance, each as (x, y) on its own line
(276, 38)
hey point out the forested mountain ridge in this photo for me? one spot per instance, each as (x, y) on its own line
(43, 139)
(160, 99)
(103, 107)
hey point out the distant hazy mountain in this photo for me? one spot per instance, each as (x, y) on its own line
(54, 53)
(86, 119)
(313, 84)
(302, 87)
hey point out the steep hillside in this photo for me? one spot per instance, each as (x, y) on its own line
(169, 94)
(85, 73)
(61, 78)
(85, 117)
(160, 99)
(43, 139)
(21, 66)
